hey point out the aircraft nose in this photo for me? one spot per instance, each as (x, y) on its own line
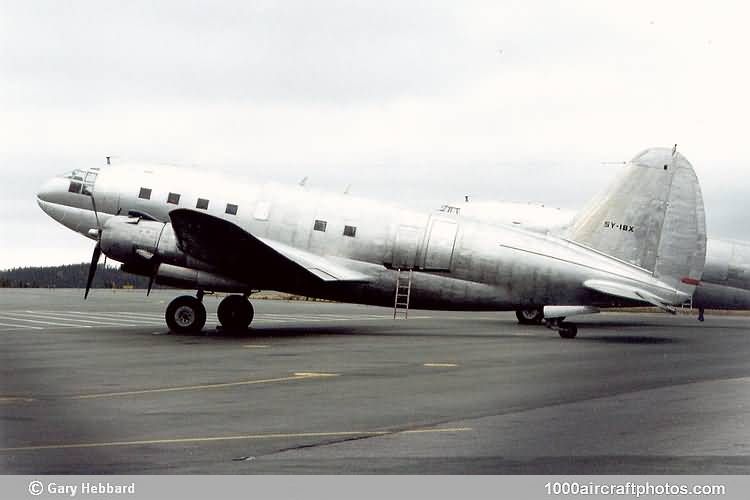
(53, 190)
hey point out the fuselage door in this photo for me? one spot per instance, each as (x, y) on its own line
(405, 247)
(439, 247)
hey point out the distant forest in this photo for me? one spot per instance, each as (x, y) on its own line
(69, 276)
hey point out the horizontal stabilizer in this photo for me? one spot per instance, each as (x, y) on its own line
(230, 248)
(626, 291)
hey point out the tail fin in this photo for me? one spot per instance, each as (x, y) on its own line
(652, 216)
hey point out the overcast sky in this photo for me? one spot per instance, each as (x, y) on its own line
(418, 102)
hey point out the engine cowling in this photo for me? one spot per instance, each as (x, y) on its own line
(150, 248)
(137, 242)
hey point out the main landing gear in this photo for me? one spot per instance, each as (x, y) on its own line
(235, 312)
(187, 314)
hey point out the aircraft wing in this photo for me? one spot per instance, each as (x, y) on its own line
(228, 246)
(626, 291)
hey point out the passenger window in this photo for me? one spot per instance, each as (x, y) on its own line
(173, 198)
(350, 231)
(74, 187)
(145, 194)
(202, 204)
(320, 225)
(231, 209)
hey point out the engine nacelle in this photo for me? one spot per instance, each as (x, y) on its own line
(181, 277)
(136, 242)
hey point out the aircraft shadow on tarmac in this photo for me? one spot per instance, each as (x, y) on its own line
(629, 339)
(503, 332)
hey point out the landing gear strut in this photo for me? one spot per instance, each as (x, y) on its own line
(235, 312)
(186, 314)
(701, 311)
(565, 330)
(533, 316)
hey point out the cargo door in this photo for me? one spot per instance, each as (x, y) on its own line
(440, 242)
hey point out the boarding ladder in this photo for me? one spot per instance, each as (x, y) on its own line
(403, 292)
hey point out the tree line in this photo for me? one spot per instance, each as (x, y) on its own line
(69, 276)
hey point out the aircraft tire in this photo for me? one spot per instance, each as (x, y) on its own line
(185, 314)
(533, 316)
(235, 313)
(568, 331)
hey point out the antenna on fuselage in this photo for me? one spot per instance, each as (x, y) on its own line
(303, 181)
(108, 157)
(348, 187)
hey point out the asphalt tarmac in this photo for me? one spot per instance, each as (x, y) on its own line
(101, 387)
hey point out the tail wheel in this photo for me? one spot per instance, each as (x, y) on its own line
(532, 316)
(235, 312)
(568, 330)
(185, 314)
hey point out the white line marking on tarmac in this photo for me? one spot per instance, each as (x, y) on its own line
(110, 317)
(440, 365)
(153, 315)
(296, 376)
(21, 326)
(123, 317)
(67, 318)
(15, 399)
(245, 437)
(44, 322)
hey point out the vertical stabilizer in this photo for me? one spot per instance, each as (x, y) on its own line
(652, 216)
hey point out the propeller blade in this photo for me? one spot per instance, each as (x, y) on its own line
(154, 271)
(92, 268)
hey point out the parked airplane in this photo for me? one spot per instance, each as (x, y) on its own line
(725, 283)
(642, 243)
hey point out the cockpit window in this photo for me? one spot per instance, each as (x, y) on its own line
(76, 175)
(88, 183)
(81, 181)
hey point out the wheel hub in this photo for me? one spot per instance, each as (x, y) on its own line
(185, 316)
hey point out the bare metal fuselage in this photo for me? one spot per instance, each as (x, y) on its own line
(459, 263)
